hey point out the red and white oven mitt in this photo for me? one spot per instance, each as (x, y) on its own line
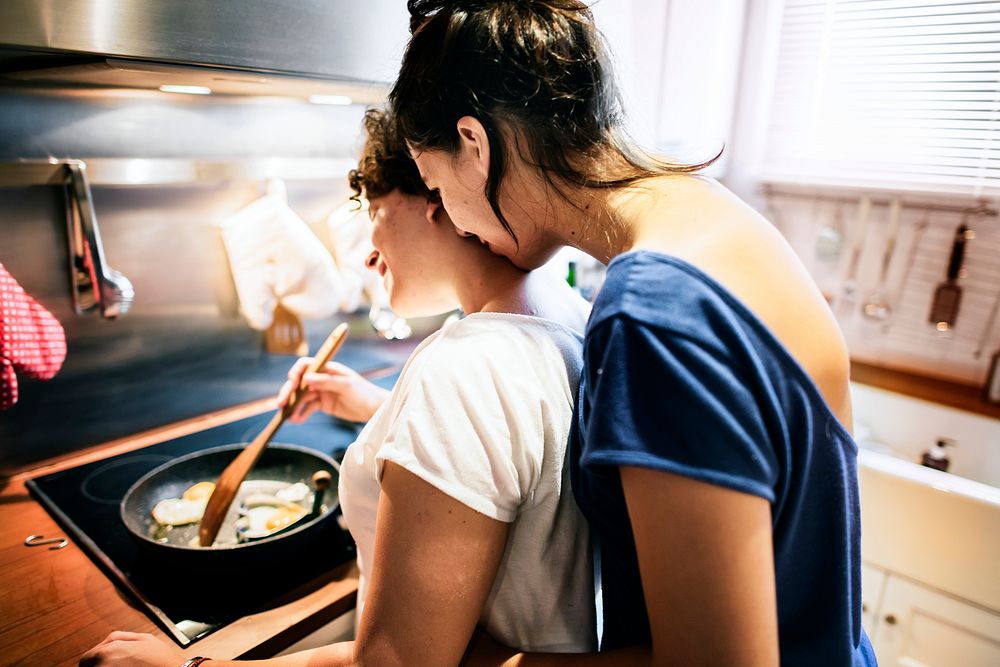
(32, 342)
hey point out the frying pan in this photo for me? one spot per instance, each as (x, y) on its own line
(280, 463)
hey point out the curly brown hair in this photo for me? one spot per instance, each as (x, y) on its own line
(385, 164)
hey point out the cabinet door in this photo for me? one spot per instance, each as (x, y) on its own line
(920, 627)
(872, 585)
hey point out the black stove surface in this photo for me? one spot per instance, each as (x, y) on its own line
(85, 501)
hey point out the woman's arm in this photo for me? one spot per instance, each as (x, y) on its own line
(707, 565)
(434, 565)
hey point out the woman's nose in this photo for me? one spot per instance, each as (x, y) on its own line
(372, 260)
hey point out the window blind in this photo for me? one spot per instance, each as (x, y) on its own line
(897, 94)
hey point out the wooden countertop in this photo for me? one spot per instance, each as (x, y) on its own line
(55, 605)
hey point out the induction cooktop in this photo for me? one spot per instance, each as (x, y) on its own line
(85, 501)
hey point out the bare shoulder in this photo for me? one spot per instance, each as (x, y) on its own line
(727, 239)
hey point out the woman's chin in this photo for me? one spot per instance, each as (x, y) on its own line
(529, 261)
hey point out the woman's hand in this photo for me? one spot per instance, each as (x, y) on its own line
(134, 649)
(336, 390)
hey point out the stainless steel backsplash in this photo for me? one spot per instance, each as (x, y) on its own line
(183, 350)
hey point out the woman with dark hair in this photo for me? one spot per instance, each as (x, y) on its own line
(456, 491)
(713, 454)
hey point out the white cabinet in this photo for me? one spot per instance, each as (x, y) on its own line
(917, 626)
(872, 587)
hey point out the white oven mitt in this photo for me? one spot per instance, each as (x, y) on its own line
(275, 256)
(351, 234)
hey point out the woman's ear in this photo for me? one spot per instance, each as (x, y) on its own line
(432, 210)
(474, 144)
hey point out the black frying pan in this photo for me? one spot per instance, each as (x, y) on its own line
(282, 463)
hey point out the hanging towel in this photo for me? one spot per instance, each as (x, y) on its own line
(32, 342)
(274, 257)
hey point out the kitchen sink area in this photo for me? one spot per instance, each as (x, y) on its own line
(930, 540)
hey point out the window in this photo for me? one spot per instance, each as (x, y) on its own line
(677, 64)
(895, 94)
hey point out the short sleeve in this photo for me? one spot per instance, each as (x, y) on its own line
(655, 398)
(461, 427)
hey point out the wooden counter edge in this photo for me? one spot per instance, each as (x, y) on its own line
(263, 634)
(944, 392)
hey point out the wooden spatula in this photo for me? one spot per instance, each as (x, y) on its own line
(287, 334)
(231, 478)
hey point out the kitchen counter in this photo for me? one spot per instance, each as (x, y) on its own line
(57, 604)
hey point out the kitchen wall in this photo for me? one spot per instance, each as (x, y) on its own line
(704, 79)
(184, 349)
(810, 215)
(917, 265)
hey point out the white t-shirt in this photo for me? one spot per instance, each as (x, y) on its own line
(482, 411)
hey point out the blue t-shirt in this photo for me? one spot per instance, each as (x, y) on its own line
(680, 376)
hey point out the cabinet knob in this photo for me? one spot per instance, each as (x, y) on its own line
(890, 619)
(864, 607)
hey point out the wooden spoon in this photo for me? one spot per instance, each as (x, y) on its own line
(231, 478)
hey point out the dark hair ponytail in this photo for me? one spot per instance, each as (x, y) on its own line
(538, 67)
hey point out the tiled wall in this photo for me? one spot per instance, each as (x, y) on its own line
(906, 339)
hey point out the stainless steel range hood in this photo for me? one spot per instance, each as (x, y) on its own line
(296, 48)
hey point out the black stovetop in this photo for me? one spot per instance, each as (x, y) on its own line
(85, 501)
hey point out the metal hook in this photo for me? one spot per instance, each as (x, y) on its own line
(37, 541)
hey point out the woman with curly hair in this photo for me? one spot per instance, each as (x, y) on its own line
(455, 491)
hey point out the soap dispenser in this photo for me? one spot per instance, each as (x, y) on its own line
(936, 457)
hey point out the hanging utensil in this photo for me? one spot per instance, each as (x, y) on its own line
(287, 334)
(911, 259)
(231, 478)
(991, 388)
(849, 289)
(830, 238)
(877, 307)
(948, 295)
(988, 328)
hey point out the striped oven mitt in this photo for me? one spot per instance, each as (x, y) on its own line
(32, 341)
